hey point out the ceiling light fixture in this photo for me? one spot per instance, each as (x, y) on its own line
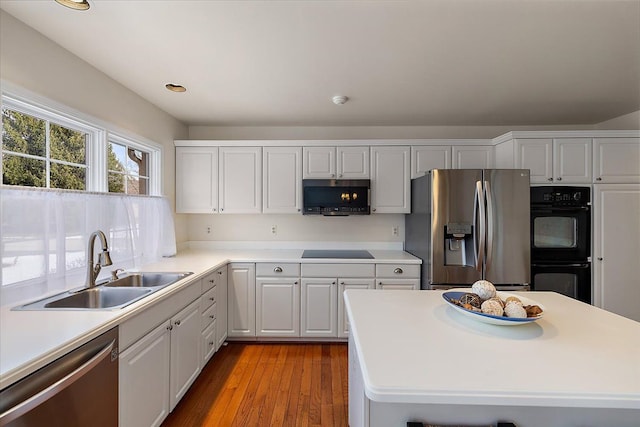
(175, 88)
(75, 4)
(339, 99)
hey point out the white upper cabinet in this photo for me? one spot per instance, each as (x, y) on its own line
(240, 183)
(319, 162)
(616, 160)
(555, 160)
(282, 180)
(472, 157)
(335, 162)
(352, 162)
(427, 157)
(572, 160)
(196, 179)
(391, 180)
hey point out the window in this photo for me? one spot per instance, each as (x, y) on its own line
(40, 153)
(128, 168)
(45, 148)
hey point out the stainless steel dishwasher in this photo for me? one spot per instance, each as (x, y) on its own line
(78, 389)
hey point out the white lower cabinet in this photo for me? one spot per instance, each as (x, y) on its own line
(277, 307)
(241, 305)
(185, 351)
(221, 310)
(208, 347)
(343, 285)
(398, 276)
(158, 369)
(319, 307)
(616, 248)
(144, 379)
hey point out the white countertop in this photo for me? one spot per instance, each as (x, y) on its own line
(31, 339)
(414, 348)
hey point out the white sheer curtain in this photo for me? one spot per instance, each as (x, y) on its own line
(44, 236)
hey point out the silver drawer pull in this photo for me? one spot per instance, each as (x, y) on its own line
(277, 270)
(212, 299)
(211, 281)
(211, 316)
(177, 323)
(398, 271)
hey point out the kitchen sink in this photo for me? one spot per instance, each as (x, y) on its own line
(146, 280)
(114, 294)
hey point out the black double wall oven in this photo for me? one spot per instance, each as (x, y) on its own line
(561, 240)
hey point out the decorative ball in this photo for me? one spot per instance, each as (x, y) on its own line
(515, 309)
(499, 301)
(471, 299)
(492, 307)
(513, 299)
(484, 289)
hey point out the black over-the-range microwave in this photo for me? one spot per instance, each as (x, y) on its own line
(334, 197)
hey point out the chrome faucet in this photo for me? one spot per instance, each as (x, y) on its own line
(104, 259)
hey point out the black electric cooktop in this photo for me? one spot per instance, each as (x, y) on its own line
(331, 253)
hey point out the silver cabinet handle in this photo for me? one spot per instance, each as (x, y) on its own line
(214, 209)
(559, 178)
(342, 283)
(333, 175)
(211, 281)
(220, 273)
(333, 283)
(170, 328)
(598, 179)
(212, 299)
(210, 342)
(398, 271)
(600, 258)
(277, 270)
(211, 316)
(549, 179)
(177, 323)
(295, 283)
(373, 210)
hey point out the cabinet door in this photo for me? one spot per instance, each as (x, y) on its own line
(616, 248)
(616, 160)
(572, 160)
(277, 307)
(196, 179)
(241, 306)
(143, 367)
(185, 351)
(391, 181)
(398, 284)
(240, 179)
(208, 344)
(221, 316)
(352, 162)
(425, 158)
(343, 285)
(282, 180)
(319, 162)
(318, 308)
(472, 157)
(535, 155)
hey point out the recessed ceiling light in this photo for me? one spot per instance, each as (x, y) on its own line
(175, 88)
(75, 4)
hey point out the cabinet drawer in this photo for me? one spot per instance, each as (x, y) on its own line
(208, 316)
(398, 270)
(338, 270)
(208, 282)
(208, 343)
(208, 298)
(274, 269)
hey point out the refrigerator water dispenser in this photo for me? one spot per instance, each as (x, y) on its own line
(458, 244)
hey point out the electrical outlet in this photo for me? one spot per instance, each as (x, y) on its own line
(208, 229)
(274, 229)
(395, 230)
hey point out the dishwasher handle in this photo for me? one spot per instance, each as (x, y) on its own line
(55, 388)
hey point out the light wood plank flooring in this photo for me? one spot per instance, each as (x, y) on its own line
(268, 385)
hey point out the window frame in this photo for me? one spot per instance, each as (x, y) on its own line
(98, 133)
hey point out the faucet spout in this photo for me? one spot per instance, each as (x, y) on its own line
(104, 259)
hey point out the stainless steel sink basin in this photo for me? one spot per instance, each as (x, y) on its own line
(109, 295)
(146, 280)
(99, 297)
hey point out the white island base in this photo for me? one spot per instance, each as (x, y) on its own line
(414, 358)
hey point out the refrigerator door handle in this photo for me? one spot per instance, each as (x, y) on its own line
(479, 226)
(490, 223)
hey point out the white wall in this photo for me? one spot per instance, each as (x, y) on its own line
(33, 62)
(629, 121)
(366, 228)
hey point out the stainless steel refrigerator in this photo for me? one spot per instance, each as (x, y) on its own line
(471, 224)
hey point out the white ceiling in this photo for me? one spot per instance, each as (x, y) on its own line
(431, 62)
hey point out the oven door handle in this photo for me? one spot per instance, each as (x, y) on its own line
(55, 388)
(561, 265)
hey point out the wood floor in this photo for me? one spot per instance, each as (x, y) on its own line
(268, 385)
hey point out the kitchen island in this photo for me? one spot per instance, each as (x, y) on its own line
(412, 357)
